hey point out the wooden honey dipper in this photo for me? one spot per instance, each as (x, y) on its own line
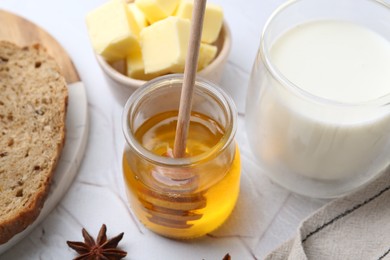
(164, 209)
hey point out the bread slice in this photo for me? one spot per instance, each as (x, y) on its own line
(33, 101)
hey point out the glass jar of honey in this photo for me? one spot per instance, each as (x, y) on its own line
(185, 197)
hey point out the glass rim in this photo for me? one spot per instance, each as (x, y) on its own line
(166, 81)
(277, 75)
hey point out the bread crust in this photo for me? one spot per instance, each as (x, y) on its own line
(33, 104)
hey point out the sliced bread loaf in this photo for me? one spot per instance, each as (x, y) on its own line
(33, 101)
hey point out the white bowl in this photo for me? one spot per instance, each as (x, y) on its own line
(123, 86)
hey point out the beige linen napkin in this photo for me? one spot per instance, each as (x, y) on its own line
(356, 226)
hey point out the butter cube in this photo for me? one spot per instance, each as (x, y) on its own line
(113, 30)
(213, 19)
(164, 45)
(156, 10)
(135, 67)
(207, 53)
(138, 15)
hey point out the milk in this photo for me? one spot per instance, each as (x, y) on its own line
(335, 60)
(329, 127)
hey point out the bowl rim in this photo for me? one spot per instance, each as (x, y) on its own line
(136, 83)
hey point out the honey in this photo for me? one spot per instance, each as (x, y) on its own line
(191, 198)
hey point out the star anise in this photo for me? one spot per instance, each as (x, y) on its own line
(227, 257)
(102, 249)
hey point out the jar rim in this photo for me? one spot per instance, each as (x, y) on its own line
(165, 81)
(285, 82)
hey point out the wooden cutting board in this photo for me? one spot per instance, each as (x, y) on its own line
(22, 32)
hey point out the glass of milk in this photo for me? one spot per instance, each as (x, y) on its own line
(318, 104)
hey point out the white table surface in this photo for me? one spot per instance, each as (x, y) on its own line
(265, 216)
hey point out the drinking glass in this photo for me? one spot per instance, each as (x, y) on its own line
(309, 144)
